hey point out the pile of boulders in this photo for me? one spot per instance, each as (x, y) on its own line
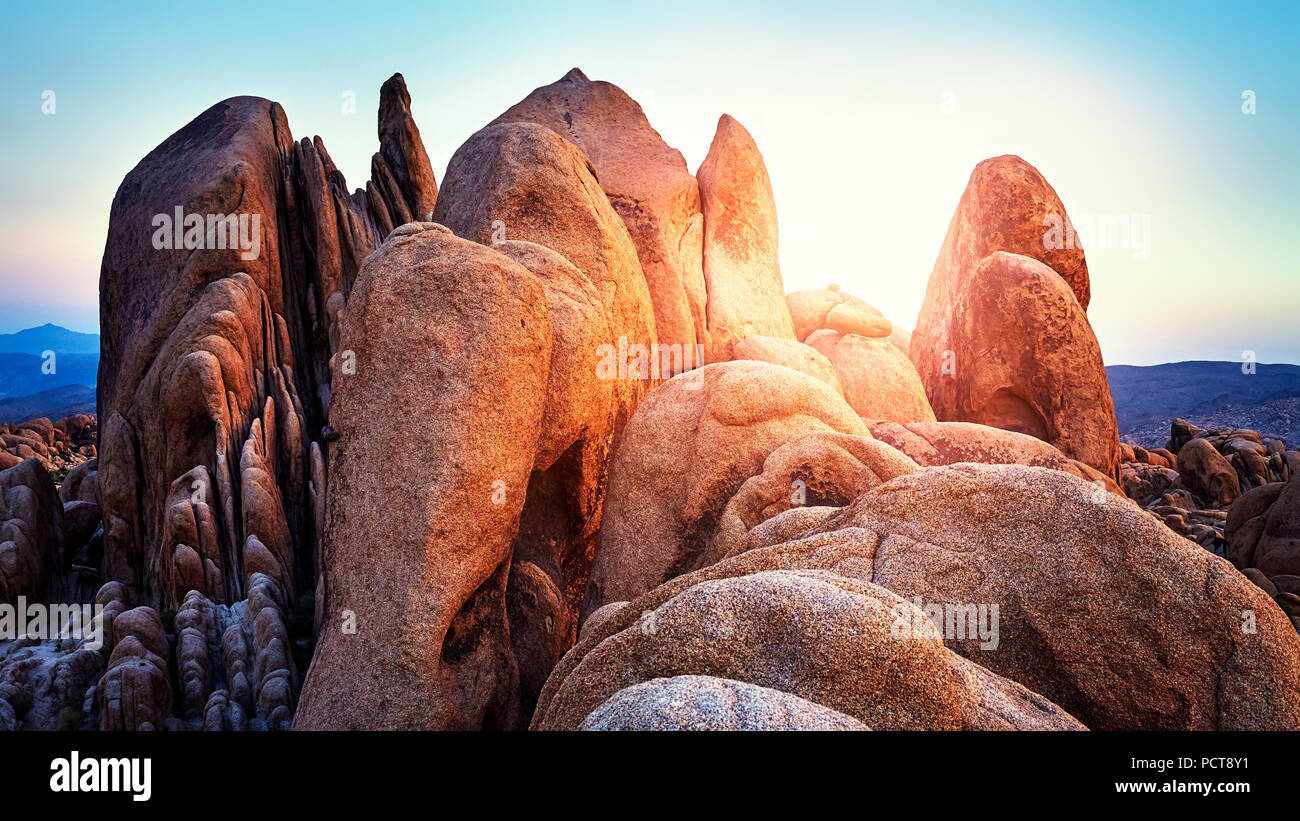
(59, 446)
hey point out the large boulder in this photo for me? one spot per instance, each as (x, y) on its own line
(420, 520)
(1102, 609)
(522, 181)
(943, 443)
(708, 703)
(879, 380)
(1007, 206)
(531, 194)
(230, 249)
(561, 515)
(741, 268)
(649, 186)
(1020, 355)
(802, 623)
(135, 692)
(33, 561)
(1263, 528)
(689, 448)
(1207, 473)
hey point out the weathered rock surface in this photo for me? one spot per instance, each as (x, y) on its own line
(818, 469)
(210, 342)
(1263, 529)
(522, 181)
(32, 552)
(708, 703)
(135, 692)
(1007, 206)
(741, 269)
(1176, 638)
(1206, 473)
(648, 185)
(827, 638)
(879, 380)
(689, 448)
(534, 196)
(60, 446)
(789, 353)
(819, 308)
(944, 443)
(417, 550)
(1020, 355)
(231, 250)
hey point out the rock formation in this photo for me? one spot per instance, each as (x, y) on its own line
(648, 185)
(879, 380)
(708, 703)
(1007, 206)
(944, 443)
(1020, 355)
(1043, 545)
(404, 458)
(741, 269)
(689, 448)
(33, 558)
(417, 551)
(806, 623)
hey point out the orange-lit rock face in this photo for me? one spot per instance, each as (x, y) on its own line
(522, 181)
(880, 382)
(741, 269)
(648, 185)
(1007, 206)
(1023, 357)
(819, 308)
(944, 443)
(791, 354)
(420, 519)
(689, 448)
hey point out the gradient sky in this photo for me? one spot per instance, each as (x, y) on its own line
(870, 119)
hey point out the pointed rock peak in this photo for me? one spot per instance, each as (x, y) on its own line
(393, 94)
(729, 126)
(403, 150)
(574, 74)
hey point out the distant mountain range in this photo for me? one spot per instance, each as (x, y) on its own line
(1210, 394)
(33, 383)
(49, 337)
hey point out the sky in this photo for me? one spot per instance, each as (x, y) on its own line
(870, 118)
